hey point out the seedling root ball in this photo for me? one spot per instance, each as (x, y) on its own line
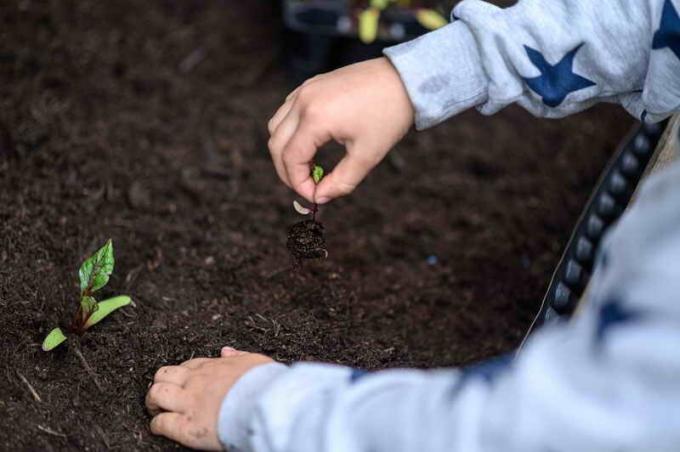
(306, 240)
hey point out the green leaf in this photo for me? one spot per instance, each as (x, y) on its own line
(88, 305)
(317, 174)
(95, 271)
(106, 307)
(53, 340)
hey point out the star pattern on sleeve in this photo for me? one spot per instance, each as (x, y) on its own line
(357, 374)
(556, 80)
(668, 34)
(613, 314)
(487, 371)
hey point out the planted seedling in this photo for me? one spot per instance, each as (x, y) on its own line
(94, 274)
(305, 238)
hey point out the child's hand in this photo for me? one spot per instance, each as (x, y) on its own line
(185, 400)
(363, 106)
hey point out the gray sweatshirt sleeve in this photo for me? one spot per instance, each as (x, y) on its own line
(553, 57)
(607, 381)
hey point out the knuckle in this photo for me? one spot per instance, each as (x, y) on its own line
(156, 425)
(271, 144)
(161, 372)
(313, 111)
(154, 391)
(305, 96)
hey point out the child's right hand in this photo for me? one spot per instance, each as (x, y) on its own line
(364, 106)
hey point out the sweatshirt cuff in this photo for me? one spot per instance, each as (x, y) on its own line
(442, 72)
(233, 426)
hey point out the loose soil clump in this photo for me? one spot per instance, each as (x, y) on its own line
(306, 240)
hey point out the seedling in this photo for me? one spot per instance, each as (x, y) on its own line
(316, 173)
(305, 238)
(94, 274)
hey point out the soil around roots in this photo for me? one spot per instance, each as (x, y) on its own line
(306, 240)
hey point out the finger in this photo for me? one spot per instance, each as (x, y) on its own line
(167, 424)
(278, 141)
(343, 179)
(173, 426)
(294, 93)
(227, 352)
(195, 363)
(182, 429)
(298, 156)
(281, 113)
(172, 374)
(165, 397)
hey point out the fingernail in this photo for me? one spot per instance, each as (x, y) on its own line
(228, 349)
(323, 200)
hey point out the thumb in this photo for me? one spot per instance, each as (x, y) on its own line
(345, 177)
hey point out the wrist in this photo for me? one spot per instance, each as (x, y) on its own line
(442, 72)
(239, 404)
(398, 89)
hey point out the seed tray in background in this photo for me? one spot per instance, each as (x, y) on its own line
(397, 21)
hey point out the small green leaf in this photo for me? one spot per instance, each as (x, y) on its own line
(88, 305)
(106, 307)
(95, 271)
(54, 339)
(317, 174)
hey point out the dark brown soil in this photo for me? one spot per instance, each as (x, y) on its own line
(144, 121)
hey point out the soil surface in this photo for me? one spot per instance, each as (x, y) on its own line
(144, 121)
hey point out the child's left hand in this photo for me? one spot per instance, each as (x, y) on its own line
(185, 400)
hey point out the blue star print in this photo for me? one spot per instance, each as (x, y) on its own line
(612, 313)
(487, 371)
(668, 34)
(356, 374)
(556, 81)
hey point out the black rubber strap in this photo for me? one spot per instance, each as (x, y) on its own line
(607, 203)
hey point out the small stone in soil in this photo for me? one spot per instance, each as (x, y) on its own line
(305, 240)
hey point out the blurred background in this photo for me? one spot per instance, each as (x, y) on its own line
(145, 121)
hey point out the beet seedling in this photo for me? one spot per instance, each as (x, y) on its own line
(305, 238)
(317, 174)
(94, 274)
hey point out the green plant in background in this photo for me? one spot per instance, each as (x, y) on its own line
(369, 18)
(94, 274)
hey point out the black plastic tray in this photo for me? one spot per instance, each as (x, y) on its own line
(336, 18)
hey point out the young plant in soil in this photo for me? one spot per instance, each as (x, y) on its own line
(94, 274)
(305, 238)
